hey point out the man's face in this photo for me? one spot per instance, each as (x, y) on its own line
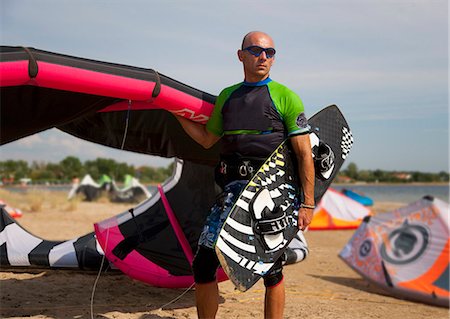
(256, 68)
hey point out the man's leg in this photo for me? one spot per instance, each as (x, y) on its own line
(207, 299)
(274, 301)
(274, 298)
(204, 267)
(205, 263)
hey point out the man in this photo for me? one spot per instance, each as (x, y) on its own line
(252, 118)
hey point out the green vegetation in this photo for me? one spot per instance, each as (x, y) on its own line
(12, 172)
(63, 172)
(352, 174)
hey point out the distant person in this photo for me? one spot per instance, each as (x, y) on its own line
(252, 118)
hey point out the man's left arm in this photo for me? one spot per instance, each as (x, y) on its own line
(302, 149)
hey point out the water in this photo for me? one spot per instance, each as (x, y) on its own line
(402, 193)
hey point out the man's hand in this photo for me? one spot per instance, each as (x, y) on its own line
(305, 216)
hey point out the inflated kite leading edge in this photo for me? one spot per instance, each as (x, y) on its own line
(115, 105)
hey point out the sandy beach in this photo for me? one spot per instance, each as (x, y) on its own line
(320, 287)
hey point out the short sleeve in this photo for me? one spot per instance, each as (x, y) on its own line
(294, 115)
(215, 122)
(290, 107)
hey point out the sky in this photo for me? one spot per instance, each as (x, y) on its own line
(384, 63)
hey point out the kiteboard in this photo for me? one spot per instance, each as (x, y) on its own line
(263, 219)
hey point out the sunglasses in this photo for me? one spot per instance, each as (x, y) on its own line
(256, 51)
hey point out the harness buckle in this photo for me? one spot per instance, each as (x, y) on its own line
(246, 169)
(223, 167)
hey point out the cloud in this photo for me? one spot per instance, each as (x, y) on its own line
(54, 145)
(30, 141)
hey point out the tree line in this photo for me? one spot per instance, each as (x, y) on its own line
(13, 171)
(353, 174)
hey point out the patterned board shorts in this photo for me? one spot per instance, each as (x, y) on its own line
(219, 213)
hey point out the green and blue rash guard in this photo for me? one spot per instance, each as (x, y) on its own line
(254, 118)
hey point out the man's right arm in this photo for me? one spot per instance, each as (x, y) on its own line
(198, 132)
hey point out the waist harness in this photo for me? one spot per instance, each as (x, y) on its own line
(235, 167)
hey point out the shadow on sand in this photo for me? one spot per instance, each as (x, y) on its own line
(355, 283)
(67, 294)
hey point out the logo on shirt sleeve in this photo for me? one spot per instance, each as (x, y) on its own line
(302, 122)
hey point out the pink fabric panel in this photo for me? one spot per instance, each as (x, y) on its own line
(135, 105)
(135, 265)
(91, 82)
(14, 73)
(140, 268)
(108, 230)
(172, 100)
(144, 270)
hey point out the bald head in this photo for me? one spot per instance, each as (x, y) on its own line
(256, 65)
(256, 36)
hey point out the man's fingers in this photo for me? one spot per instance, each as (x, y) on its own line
(301, 222)
(304, 219)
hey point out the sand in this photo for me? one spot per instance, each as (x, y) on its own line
(320, 287)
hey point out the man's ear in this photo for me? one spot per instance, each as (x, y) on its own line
(240, 55)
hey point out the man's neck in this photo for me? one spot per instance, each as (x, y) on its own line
(255, 79)
(258, 83)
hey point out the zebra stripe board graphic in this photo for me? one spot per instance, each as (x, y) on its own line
(265, 214)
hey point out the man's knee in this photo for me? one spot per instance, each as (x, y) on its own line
(275, 276)
(204, 265)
